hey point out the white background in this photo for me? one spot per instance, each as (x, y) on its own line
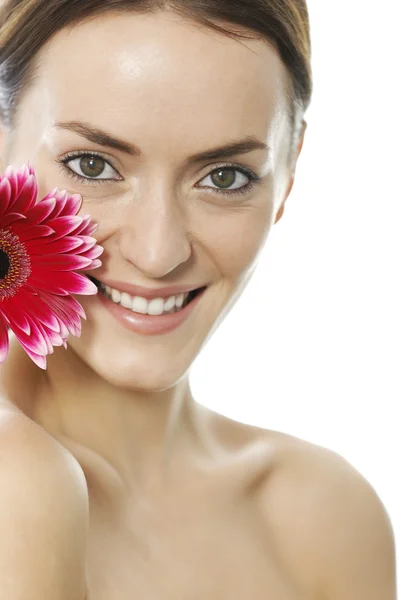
(312, 346)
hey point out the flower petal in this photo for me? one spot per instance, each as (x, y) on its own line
(43, 282)
(34, 341)
(69, 304)
(88, 242)
(5, 195)
(71, 206)
(61, 262)
(67, 309)
(41, 211)
(37, 308)
(73, 283)
(4, 341)
(87, 227)
(26, 232)
(52, 338)
(15, 314)
(94, 252)
(10, 218)
(64, 225)
(27, 195)
(38, 359)
(12, 177)
(66, 244)
(96, 264)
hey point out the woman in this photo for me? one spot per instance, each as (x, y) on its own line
(116, 483)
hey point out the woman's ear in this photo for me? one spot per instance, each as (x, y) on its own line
(299, 147)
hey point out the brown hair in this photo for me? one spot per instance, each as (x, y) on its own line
(26, 25)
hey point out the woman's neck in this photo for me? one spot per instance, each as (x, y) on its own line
(141, 435)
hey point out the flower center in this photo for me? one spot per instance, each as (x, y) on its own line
(4, 264)
(15, 264)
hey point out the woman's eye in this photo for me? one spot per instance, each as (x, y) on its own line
(91, 167)
(225, 177)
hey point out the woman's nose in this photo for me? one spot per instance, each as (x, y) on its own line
(155, 238)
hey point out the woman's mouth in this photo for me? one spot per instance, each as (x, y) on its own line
(148, 317)
(140, 305)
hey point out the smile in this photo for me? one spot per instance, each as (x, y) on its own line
(148, 317)
(155, 307)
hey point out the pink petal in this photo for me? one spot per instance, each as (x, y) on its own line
(38, 309)
(94, 252)
(5, 195)
(11, 174)
(51, 337)
(73, 283)
(38, 359)
(26, 232)
(43, 282)
(13, 313)
(63, 329)
(52, 194)
(42, 334)
(70, 321)
(41, 211)
(10, 218)
(64, 225)
(66, 244)
(69, 304)
(61, 262)
(72, 205)
(4, 341)
(87, 227)
(22, 176)
(31, 169)
(88, 242)
(27, 195)
(34, 341)
(67, 309)
(96, 264)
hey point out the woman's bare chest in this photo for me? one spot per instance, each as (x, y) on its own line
(204, 549)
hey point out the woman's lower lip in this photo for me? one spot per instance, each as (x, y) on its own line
(149, 324)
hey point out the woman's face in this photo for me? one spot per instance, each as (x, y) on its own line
(170, 89)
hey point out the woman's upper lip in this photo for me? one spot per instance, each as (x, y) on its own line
(149, 294)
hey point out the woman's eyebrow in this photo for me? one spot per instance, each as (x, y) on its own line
(98, 136)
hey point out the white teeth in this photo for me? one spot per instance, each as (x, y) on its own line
(170, 303)
(179, 300)
(116, 296)
(126, 300)
(157, 306)
(140, 305)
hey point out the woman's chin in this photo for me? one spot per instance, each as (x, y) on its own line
(132, 368)
(136, 379)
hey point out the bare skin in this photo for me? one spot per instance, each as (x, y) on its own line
(208, 529)
(184, 503)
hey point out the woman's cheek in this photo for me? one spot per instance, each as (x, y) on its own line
(239, 237)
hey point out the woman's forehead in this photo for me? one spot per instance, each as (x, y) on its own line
(148, 58)
(155, 78)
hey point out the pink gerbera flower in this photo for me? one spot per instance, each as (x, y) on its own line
(42, 244)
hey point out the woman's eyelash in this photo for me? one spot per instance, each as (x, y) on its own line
(62, 162)
(245, 189)
(253, 178)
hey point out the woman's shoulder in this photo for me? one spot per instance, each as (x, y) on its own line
(43, 512)
(236, 435)
(25, 443)
(322, 513)
(325, 515)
